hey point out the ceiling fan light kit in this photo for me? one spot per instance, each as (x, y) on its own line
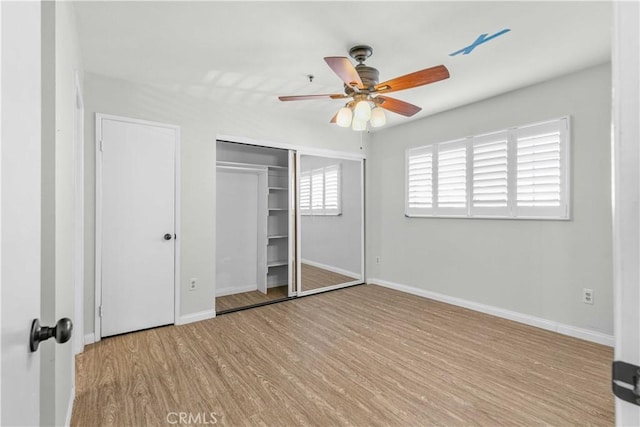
(361, 84)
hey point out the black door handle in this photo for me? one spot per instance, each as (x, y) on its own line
(167, 236)
(62, 332)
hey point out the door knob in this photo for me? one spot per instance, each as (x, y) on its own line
(61, 332)
(167, 236)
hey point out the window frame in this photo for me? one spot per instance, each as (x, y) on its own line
(511, 211)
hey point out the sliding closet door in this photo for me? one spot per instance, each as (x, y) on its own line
(330, 223)
(291, 226)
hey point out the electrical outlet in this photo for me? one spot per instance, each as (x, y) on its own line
(587, 296)
(193, 284)
(377, 260)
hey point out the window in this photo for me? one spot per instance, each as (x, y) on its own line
(420, 179)
(490, 192)
(320, 191)
(452, 177)
(520, 172)
(541, 177)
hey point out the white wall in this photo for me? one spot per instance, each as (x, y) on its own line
(537, 268)
(238, 233)
(201, 120)
(335, 241)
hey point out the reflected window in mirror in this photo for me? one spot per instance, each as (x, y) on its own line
(320, 191)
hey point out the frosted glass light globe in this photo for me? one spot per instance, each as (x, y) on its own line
(344, 117)
(362, 111)
(377, 117)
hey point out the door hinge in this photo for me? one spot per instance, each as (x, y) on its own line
(99, 311)
(101, 145)
(626, 373)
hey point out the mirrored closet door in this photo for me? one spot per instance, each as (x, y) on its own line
(330, 223)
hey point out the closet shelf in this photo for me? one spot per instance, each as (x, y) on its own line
(277, 263)
(278, 188)
(278, 209)
(249, 165)
(278, 236)
(241, 165)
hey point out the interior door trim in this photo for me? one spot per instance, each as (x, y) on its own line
(99, 117)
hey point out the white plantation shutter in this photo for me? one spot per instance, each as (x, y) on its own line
(490, 175)
(541, 170)
(332, 189)
(419, 183)
(320, 191)
(452, 177)
(305, 192)
(516, 173)
(317, 190)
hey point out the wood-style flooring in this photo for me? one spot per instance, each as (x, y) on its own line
(244, 299)
(312, 278)
(360, 356)
(315, 278)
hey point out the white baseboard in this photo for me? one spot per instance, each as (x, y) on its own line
(72, 398)
(196, 317)
(550, 325)
(331, 268)
(89, 338)
(235, 290)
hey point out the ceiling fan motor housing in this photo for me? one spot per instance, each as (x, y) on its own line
(368, 75)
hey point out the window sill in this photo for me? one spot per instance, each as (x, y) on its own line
(527, 218)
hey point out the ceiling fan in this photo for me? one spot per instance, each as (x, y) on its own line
(361, 84)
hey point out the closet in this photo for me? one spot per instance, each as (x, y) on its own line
(254, 242)
(289, 222)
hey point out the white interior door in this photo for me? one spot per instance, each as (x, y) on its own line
(138, 175)
(626, 193)
(241, 236)
(20, 215)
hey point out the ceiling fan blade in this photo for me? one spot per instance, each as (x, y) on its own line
(303, 97)
(334, 118)
(397, 106)
(345, 70)
(418, 78)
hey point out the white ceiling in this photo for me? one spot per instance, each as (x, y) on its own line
(251, 52)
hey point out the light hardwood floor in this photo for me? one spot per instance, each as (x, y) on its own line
(360, 356)
(314, 278)
(244, 299)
